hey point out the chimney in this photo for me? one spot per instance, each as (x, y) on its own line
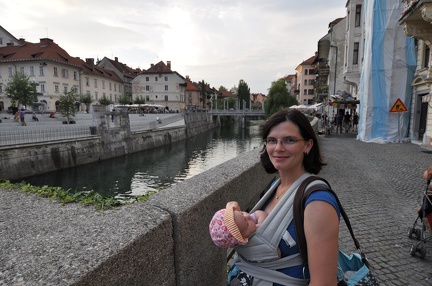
(169, 64)
(21, 41)
(90, 61)
(45, 41)
(116, 59)
(151, 65)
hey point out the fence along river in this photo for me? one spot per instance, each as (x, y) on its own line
(159, 168)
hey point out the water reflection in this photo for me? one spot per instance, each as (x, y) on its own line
(159, 168)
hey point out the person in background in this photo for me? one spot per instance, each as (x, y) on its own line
(22, 117)
(52, 115)
(34, 117)
(339, 121)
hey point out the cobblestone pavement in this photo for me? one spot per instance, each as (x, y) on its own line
(381, 187)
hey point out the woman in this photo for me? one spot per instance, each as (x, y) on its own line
(291, 149)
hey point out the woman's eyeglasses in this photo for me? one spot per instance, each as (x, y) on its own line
(287, 141)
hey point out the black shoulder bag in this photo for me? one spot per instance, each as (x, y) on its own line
(352, 269)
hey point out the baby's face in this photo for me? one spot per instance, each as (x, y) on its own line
(245, 223)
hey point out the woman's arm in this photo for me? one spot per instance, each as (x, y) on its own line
(321, 226)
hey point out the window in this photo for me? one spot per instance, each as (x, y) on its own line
(42, 87)
(156, 79)
(110, 86)
(357, 15)
(166, 78)
(311, 91)
(305, 92)
(65, 73)
(96, 95)
(356, 53)
(10, 72)
(95, 83)
(1, 88)
(56, 88)
(147, 98)
(147, 88)
(55, 71)
(31, 71)
(115, 87)
(41, 71)
(426, 56)
(75, 75)
(22, 70)
(305, 82)
(65, 89)
(103, 84)
(166, 87)
(306, 72)
(166, 97)
(147, 78)
(87, 80)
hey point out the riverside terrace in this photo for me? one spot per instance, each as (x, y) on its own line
(48, 129)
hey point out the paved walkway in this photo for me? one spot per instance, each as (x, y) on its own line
(381, 187)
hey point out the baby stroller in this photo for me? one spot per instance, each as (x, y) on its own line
(421, 228)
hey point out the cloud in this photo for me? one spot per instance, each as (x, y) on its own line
(220, 41)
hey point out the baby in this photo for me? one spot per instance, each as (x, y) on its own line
(230, 226)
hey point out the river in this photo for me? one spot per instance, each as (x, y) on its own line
(159, 168)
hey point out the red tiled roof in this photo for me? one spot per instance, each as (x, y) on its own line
(160, 67)
(190, 86)
(47, 50)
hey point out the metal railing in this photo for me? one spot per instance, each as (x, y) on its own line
(36, 135)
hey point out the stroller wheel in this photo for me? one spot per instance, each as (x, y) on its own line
(410, 232)
(423, 251)
(413, 249)
(418, 234)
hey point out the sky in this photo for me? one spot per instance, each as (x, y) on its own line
(218, 41)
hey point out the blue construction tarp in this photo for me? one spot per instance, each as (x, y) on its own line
(387, 72)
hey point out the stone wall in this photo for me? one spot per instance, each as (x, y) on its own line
(164, 241)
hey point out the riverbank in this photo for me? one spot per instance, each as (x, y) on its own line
(108, 140)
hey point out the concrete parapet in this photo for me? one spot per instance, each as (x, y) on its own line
(164, 241)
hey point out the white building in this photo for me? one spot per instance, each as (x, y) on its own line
(162, 86)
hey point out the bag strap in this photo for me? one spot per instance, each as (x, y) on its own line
(299, 202)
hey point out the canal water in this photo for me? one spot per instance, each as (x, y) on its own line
(159, 168)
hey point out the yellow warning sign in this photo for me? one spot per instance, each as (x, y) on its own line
(398, 106)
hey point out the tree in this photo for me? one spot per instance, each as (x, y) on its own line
(19, 90)
(104, 100)
(124, 99)
(139, 99)
(67, 104)
(87, 100)
(222, 88)
(203, 93)
(278, 97)
(243, 94)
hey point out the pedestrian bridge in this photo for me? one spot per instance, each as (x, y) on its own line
(237, 112)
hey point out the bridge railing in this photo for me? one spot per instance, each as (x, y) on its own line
(237, 112)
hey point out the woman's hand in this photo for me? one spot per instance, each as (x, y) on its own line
(233, 205)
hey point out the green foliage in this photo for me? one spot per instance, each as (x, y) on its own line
(87, 100)
(63, 196)
(278, 97)
(104, 100)
(243, 94)
(19, 89)
(124, 99)
(67, 104)
(222, 88)
(139, 100)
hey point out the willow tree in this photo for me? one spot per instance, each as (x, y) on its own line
(278, 97)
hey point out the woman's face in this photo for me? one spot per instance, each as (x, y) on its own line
(288, 148)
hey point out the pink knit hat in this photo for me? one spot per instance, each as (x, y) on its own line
(223, 230)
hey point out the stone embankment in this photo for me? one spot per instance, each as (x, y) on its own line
(105, 139)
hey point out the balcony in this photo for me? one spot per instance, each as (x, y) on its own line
(416, 19)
